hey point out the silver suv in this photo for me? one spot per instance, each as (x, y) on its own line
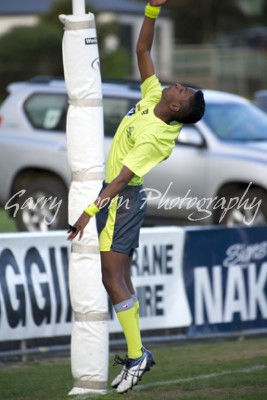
(217, 172)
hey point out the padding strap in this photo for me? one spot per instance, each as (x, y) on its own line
(79, 249)
(78, 25)
(96, 385)
(91, 317)
(86, 102)
(78, 176)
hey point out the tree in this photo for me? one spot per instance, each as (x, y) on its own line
(203, 21)
(29, 51)
(264, 14)
(114, 63)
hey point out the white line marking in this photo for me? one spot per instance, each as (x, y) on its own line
(255, 368)
(249, 370)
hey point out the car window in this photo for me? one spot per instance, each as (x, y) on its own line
(261, 100)
(47, 111)
(114, 110)
(240, 122)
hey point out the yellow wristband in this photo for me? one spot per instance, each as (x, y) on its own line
(152, 12)
(91, 210)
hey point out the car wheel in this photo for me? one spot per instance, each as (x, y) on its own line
(43, 206)
(250, 210)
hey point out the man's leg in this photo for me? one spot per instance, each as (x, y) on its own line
(117, 281)
(120, 290)
(128, 281)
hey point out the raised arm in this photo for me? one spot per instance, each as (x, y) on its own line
(145, 40)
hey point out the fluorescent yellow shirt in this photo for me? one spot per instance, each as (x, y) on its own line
(142, 140)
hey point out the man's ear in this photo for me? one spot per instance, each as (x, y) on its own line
(175, 107)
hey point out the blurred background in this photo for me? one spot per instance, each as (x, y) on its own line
(217, 45)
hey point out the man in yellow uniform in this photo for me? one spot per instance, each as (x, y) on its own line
(145, 137)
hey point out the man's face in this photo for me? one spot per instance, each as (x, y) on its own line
(177, 94)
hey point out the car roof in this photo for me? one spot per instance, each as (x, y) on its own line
(216, 96)
(115, 88)
(131, 89)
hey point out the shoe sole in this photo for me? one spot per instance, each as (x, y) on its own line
(115, 386)
(149, 365)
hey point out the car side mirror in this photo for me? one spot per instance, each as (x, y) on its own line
(190, 136)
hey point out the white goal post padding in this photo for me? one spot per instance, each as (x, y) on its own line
(85, 143)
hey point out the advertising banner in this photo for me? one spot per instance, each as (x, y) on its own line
(225, 273)
(211, 280)
(34, 295)
(34, 290)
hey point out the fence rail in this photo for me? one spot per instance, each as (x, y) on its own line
(239, 70)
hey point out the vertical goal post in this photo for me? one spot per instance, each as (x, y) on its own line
(78, 7)
(85, 148)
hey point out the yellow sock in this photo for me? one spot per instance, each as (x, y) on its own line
(137, 315)
(127, 319)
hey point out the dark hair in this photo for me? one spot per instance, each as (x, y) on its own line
(193, 110)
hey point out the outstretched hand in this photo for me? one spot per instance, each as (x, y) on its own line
(78, 227)
(157, 3)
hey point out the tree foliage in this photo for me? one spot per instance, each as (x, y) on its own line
(25, 52)
(29, 51)
(203, 21)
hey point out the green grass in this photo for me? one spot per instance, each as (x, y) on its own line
(7, 223)
(230, 370)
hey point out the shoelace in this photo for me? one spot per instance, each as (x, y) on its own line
(119, 360)
(127, 362)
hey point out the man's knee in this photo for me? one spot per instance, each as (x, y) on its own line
(106, 280)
